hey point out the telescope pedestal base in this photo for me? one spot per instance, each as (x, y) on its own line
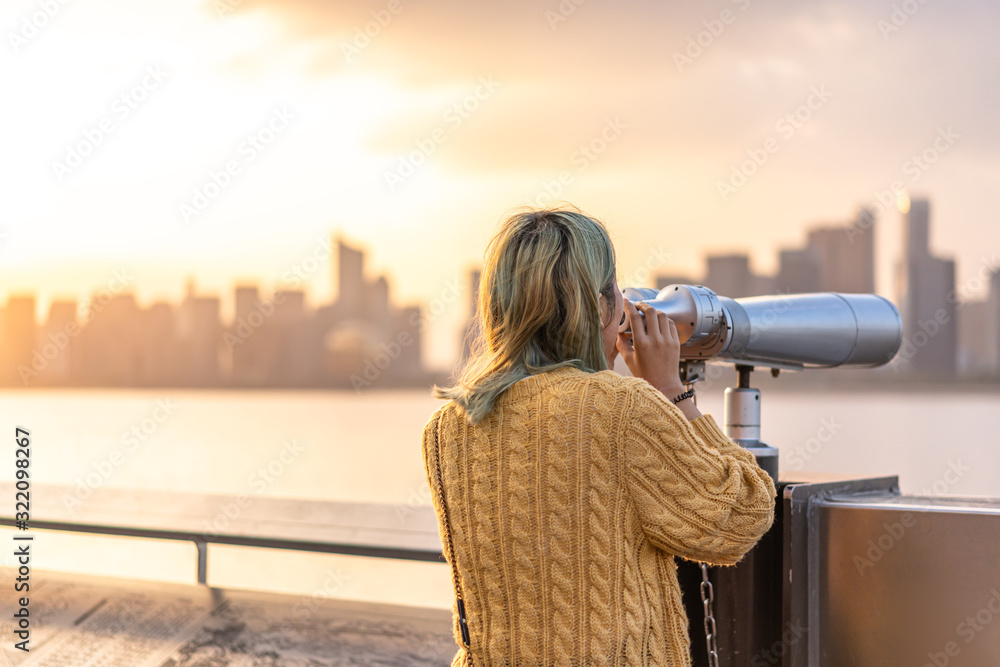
(748, 595)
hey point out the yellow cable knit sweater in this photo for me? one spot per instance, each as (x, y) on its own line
(567, 505)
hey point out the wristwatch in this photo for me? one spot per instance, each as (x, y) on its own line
(680, 397)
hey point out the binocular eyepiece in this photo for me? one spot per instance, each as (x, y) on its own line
(818, 330)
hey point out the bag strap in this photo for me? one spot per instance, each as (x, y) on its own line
(462, 621)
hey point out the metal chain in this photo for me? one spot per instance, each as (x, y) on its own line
(706, 601)
(706, 598)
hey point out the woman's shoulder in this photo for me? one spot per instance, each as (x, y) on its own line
(606, 380)
(624, 384)
(634, 394)
(611, 388)
(442, 411)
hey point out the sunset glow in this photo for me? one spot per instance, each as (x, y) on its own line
(142, 136)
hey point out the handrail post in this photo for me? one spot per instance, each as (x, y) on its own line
(202, 546)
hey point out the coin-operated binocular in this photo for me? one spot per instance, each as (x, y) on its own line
(782, 331)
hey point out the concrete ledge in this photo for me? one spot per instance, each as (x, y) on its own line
(85, 620)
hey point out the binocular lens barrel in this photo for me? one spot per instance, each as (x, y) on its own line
(824, 329)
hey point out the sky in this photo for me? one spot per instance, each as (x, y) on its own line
(227, 140)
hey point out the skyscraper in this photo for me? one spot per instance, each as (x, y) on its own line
(472, 325)
(730, 275)
(350, 280)
(17, 342)
(926, 299)
(798, 271)
(252, 338)
(846, 261)
(61, 331)
(200, 338)
(111, 341)
(979, 333)
(157, 360)
(916, 231)
(993, 323)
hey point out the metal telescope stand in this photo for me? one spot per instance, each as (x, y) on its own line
(852, 573)
(736, 611)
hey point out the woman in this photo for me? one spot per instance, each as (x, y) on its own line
(564, 490)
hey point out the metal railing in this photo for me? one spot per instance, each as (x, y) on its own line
(408, 532)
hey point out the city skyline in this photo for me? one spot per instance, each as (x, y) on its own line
(220, 142)
(305, 342)
(357, 340)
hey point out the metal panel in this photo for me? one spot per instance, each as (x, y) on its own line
(908, 580)
(799, 642)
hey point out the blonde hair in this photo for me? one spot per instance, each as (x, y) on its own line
(538, 304)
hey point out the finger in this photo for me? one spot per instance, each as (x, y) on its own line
(635, 322)
(625, 348)
(625, 321)
(665, 324)
(623, 344)
(670, 330)
(652, 323)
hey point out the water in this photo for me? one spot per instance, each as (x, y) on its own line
(366, 447)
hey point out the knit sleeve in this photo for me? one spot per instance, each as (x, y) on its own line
(429, 451)
(428, 448)
(697, 494)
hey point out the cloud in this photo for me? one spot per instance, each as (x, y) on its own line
(560, 80)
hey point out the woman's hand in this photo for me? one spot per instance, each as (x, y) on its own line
(655, 351)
